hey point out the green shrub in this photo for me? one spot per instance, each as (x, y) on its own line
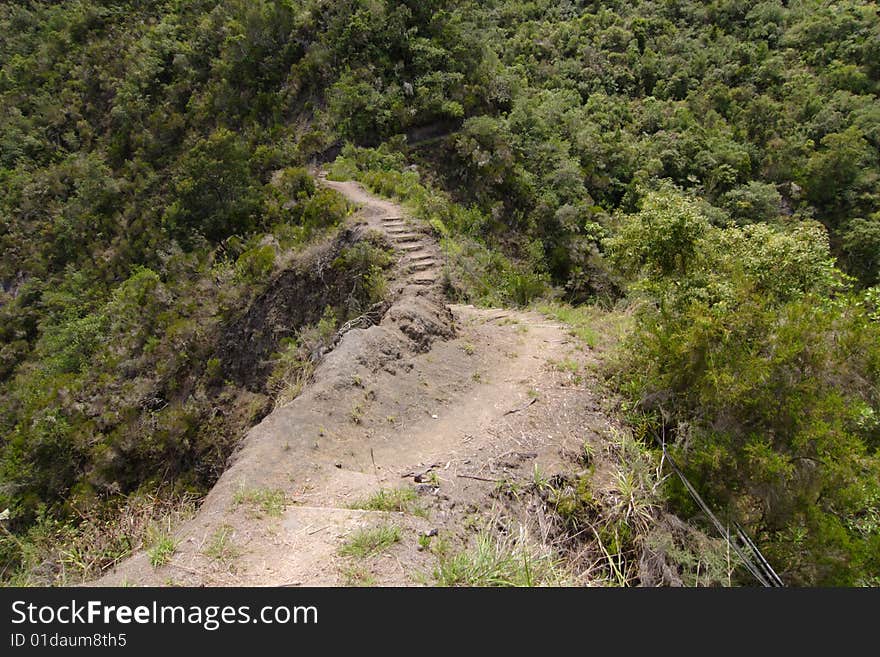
(862, 242)
(365, 262)
(254, 265)
(523, 287)
(752, 346)
(295, 183)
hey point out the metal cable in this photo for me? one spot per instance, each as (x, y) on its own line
(761, 571)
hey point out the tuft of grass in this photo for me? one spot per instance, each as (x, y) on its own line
(499, 562)
(580, 320)
(357, 575)
(623, 536)
(292, 371)
(221, 546)
(540, 480)
(588, 453)
(268, 501)
(370, 541)
(567, 365)
(162, 548)
(388, 499)
(509, 488)
(468, 348)
(570, 367)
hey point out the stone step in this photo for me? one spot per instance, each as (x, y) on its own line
(407, 237)
(427, 280)
(410, 246)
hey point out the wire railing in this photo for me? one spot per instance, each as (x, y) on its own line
(740, 543)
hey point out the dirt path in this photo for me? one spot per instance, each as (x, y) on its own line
(446, 400)
(420, 258)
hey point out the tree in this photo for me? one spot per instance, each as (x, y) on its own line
(216, 193)
(861, 242)
(661, 239)
(753, 202)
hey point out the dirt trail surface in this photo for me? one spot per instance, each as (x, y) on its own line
(444, 400)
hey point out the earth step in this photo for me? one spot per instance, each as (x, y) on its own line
(416, 257)
(422, 266)
(394, 224)
(424, 280)
(407, 237)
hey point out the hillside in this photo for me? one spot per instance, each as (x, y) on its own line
(688, 192)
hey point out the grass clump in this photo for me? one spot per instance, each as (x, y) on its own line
(567, 365)
(365, 262)
(294, 363)
(388, 499)
(500, 562)
(265, 501)
(371, 541)
(221, 546)
(615, 531)
(162, 547)
(579, 320)
(357, 575)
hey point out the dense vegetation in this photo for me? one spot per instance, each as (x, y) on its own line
(715, 165)
(146, 204)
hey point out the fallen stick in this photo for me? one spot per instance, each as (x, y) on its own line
(464, 476)
(523, 407)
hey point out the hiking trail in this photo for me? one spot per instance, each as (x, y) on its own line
(446, 399)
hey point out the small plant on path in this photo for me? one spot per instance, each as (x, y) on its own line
(370, 541)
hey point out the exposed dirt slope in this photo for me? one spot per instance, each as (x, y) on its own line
(451, 399)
